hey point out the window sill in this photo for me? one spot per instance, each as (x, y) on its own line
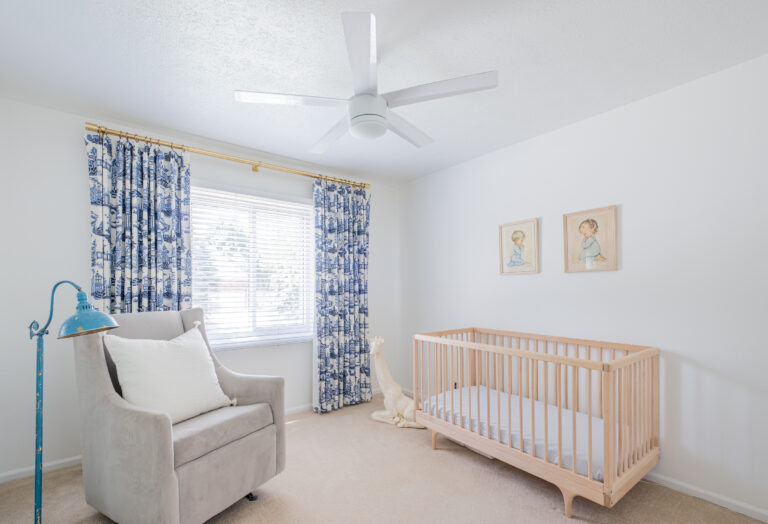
(293, 339)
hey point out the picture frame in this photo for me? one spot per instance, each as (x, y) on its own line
(519, 247)
(590, 240)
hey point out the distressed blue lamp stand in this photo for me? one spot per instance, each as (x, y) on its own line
(85, 321)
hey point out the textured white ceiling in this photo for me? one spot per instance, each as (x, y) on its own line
(175, 65)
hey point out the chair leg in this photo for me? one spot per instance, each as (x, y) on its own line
(434, 439)
(251, 497)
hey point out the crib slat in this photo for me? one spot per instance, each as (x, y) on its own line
(527, 371)
(620, 419)
(441, 377)
(479, 368)
(520, 398)
(589, 425)
(452, 383)
(424, 384)
(461, 386)
(607, 378)
(487, 395)
(574, 409)
(577, 404)
(600, 390)
(655, 392)
(436, 376)
(470, 356)
(559, 398)
(536, 374)
(415, 375)
(499, 386)
(641, 409)
(630, 416)
(429, 378)
(509, 398)
(494, 363)
(620, 408)
(546, 407)
(566, 390)
(633, 372)
(534, 370)
(628, 400)
(625, 407)
(647, 397)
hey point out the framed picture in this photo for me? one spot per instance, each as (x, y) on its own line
(590, 240)
(519, 247)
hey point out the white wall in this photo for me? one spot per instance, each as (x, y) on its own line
(45, 225)
(687, 169)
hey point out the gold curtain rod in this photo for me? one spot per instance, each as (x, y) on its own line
(255, 164)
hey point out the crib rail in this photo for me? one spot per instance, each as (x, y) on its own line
(544, 386)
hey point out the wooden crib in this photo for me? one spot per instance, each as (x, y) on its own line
(581, 414)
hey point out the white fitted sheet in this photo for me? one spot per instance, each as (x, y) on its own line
(434, 406)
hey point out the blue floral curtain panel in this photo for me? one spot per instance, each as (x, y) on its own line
(343, 369)
(140, 231)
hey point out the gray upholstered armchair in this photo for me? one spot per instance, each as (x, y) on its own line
(137, 467)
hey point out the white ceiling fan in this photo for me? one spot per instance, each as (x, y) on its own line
(369, 113)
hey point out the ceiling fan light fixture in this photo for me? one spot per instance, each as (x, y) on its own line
(368, 126)
(367, 116)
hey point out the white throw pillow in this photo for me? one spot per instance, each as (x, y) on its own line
(174, 376)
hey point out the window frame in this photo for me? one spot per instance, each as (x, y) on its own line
(275, 338)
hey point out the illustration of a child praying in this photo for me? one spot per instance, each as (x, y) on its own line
(590, 247)
(518, 237)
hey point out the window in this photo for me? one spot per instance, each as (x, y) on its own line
(251, 267)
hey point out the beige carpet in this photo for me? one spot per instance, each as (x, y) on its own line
(344, 467)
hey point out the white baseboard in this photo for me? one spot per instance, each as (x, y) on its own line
(53, 465)
(715, 498)
(298, 409)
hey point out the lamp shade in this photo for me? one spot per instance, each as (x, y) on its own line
(86, 320)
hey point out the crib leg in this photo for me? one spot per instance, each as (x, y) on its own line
(434, 439)
(568, 500)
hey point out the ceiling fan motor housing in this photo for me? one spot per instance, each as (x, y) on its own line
(367, 116)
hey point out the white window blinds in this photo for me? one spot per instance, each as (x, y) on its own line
(252, 267)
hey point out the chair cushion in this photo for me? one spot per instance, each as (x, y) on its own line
(204, 433)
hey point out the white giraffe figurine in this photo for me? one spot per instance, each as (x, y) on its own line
(398, 409)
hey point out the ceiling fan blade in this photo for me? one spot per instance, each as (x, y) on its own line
(442, 89)
(360, 32)
(336, 132)
(403, 128)
(254, 97)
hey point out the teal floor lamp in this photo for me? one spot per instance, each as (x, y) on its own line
(85, 321)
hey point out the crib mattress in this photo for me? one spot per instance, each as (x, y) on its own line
(462, 397)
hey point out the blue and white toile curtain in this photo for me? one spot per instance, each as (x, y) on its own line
(140, 231)
(342, 358)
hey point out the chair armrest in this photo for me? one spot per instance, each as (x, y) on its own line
(254, 389)
(128, 463)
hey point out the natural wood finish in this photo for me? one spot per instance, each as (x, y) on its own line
(568, 499)
(552, 338)
(589, 424)
(627, 400)
(574, 409)
(520, 352)
(415, 376)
